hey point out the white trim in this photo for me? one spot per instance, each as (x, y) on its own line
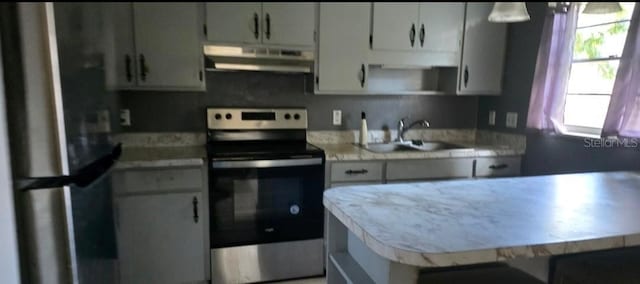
(9, 258)
(56, 91)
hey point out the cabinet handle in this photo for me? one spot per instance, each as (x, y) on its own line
(195, 209)
(268, 32)
(256, 26)
(127, 66)
(412, 34)
(143, 68)
(499, 167)
(363, 71)
(466, 75)
(356, 172)
(422, 35)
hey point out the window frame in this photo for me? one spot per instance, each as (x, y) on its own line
(579, 130)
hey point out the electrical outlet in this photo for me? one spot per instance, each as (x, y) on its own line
(125, 117)
(337, 117)
(512, 120)
(492, 117)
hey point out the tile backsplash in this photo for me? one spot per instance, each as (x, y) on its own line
(170, 111)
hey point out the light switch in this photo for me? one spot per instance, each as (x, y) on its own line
(125, 117)
(492, 117)
(512, 120)
(337, 117)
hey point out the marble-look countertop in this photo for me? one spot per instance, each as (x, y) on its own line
(450, 223)
(353, 152)
(151, 157)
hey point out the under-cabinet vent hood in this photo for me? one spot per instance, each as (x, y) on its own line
(222, 57)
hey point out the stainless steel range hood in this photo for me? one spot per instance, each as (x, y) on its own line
(224, 57)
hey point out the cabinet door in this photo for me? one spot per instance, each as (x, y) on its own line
(120, 55)
(482, 52)
(159, 238)
(343, 39)
(394, 25)
(291, 24)
(441, 26)
(234, 22)
(168, 43)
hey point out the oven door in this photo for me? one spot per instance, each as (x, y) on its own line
(265, 201)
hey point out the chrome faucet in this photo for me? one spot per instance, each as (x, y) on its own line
(402, 129)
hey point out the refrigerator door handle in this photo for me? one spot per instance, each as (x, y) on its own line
(84, 177)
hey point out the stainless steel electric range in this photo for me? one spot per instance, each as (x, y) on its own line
(265, 195)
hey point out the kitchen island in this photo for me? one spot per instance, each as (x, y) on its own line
(391, 233)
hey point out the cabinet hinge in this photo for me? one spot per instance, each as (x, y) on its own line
(317, 80)
(370, 41)
(204, 29)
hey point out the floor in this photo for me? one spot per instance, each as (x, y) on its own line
(318, 280)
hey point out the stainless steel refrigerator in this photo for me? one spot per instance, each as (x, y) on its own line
(61, 117)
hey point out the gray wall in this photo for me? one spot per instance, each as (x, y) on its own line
(523, 40)
(155, 111)
(545, 154)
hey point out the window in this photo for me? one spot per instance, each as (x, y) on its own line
(598, 45)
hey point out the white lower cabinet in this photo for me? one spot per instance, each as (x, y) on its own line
(354, 173)
(161, 238)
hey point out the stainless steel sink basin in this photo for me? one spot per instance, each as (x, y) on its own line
(388, 147)
(435, 145)
(408, 146)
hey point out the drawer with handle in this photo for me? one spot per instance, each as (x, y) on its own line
(497, 166)
(362, 171)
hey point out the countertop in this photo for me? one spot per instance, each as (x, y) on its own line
(352, 152)
(175, 156)
(460, 222)
(150, 157)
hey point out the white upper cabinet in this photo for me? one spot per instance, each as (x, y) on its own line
(483, 52)
(168, 43)
(269, 23)
(427, 26)
(441, 26)
(120, 52)
(154, 46)
(235, 23)
(395, 26)
(343, 41)
(288, 23)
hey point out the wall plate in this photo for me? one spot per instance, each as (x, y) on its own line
(337, 117)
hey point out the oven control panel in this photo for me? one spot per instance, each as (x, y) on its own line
(256, 119)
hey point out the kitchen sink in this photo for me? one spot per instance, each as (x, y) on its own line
(388, 147)
(409, 146)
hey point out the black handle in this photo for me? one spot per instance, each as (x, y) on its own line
(268, 32)
(82, 178)
(143, 68)
(466, 75)
(195, 209)
(422, 35)
(127, 64)
(356, 172)
(364, 75)
(499, 167)
(256, 26)
(412, 34)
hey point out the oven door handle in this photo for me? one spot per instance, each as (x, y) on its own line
(265, 163)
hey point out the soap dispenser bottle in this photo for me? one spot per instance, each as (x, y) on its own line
(363, 131)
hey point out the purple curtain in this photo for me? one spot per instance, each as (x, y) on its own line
(552, 70)
(623, 116)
